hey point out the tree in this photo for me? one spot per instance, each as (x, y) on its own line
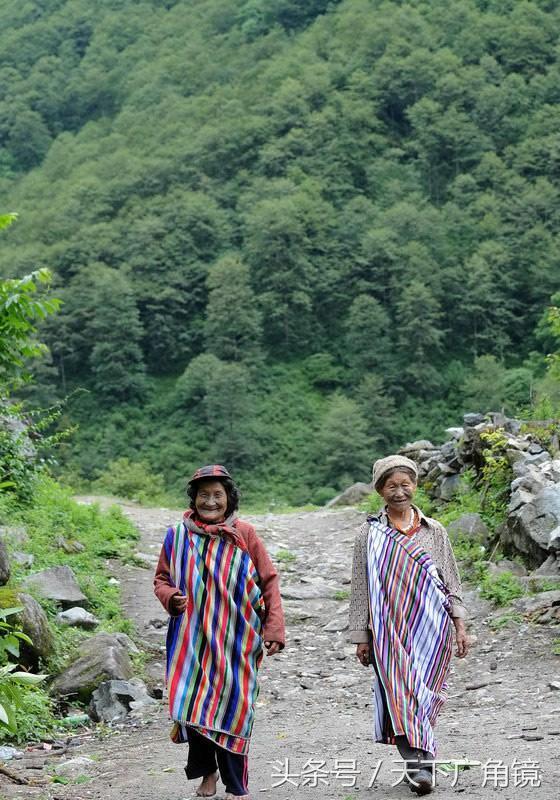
(344, 449)
(232, 328)
(20, 312)
(367, 344)
(116, 359)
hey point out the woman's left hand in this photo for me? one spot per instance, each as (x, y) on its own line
(272, 648)
(461, 638)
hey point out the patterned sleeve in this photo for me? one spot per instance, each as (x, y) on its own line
(450, 572)
(358, 614)
(164, 588)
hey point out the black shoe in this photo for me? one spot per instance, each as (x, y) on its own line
(423, 783)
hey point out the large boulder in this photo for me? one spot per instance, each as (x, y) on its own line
(35, 624)
(352, 496)
(113, 700)
(58, 584)
(543, 607)
(531, 527)
(4, 564)
(102, 658)
(471, 525)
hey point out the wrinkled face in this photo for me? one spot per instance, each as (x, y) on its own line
(211, 501)
(398, 491)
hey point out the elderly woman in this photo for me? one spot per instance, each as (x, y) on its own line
(405, 601)
(220, 588)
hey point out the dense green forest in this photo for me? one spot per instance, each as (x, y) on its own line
(286, 236)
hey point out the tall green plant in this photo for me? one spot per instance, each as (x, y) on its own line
(12, 680)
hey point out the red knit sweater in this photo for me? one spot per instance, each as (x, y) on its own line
(273, 623)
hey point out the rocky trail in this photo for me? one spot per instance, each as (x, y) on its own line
(312, 734)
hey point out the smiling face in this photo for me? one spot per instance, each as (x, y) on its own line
(211, 501)
(398, 491)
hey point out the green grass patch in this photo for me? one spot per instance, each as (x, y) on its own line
(505, 620)
(285, 556)
(501, 589)
(342, 594)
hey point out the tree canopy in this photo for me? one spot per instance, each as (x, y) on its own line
(352, 207)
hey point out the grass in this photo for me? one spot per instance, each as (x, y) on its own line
(53, 515)
(285, 556)
(556, 647)
(341, 594)
(504, 620)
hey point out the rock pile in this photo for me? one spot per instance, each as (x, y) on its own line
(532, 528)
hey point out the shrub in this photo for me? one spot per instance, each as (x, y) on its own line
(133, 480)
(502, 589)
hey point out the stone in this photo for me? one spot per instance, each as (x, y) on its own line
(14, 535)
(307, 591)
(554, 685)
(505, 565)
(70, 545)
(417, 447)
(4, 564)
(526, 460)
(58, 584)
(352, 496)
(472, 525)
(471, 420)
(113, 700)
(102, 658)
(81, 765)
(7, 753)
(519, 498)
(449, 487)
(77, 617)
(549, 568)
(35, 624)
(108, 640)
(336, 625)
(536, 447)
(455, 433)
(23, 559)
(543, 607)
(529, 527)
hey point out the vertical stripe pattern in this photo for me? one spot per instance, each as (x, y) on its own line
(214, 649)
(412, 638)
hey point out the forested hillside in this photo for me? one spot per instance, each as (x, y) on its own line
(287, 236)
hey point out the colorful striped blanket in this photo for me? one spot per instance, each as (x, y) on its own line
(215, 648)
(412, 638)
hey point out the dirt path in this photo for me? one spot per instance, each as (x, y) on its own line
(314, 716)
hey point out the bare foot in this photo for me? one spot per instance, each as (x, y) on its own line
(208, 786)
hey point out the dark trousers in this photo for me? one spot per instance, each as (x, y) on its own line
(205, 758)
(412, 754)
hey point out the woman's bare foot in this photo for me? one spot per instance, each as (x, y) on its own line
(208, 786)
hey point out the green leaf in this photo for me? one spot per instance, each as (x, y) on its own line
(7, 612)
(27, 678)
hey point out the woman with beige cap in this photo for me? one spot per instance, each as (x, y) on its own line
(405, 609)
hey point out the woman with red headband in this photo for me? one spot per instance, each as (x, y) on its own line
(220, 588)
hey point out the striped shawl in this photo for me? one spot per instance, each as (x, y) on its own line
(214, 649)
(412, 637)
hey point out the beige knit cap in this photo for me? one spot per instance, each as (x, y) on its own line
(383, 465)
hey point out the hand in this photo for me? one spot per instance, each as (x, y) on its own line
(179, 603)
(461, 638)
(362, 653)
(272, 648)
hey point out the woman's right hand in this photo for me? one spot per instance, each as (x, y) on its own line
(362, 653)
(179, 603)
